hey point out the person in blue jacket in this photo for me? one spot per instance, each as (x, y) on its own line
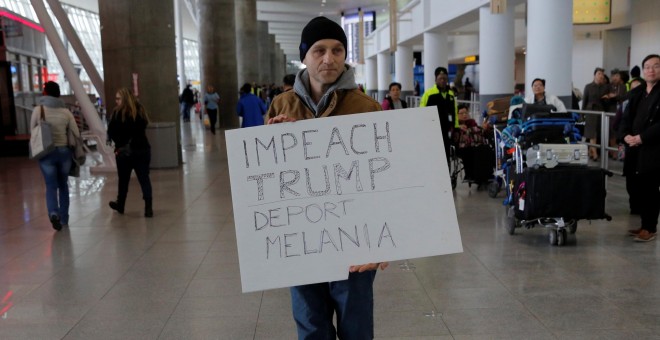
(250, 107)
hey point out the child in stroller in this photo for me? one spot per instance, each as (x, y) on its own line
(469, 145)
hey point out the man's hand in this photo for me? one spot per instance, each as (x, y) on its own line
(281, 118)
(369, 266)
(633, 140)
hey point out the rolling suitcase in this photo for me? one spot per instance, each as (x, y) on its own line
(568, 192)
(551, 155)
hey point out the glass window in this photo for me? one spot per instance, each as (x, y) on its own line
(36, 77)
(15, 82)
(25, 78)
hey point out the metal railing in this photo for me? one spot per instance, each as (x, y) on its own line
(413, 101)
(603, 146)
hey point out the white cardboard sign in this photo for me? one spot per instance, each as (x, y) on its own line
(313, 197)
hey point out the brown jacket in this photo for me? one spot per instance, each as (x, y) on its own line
(342, 102)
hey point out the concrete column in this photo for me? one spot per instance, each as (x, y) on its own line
(384, 60)
(271, 58)
(218, 56)
(277, 71)
(549, 51)
(281, 68)
(180, 56)
(403, 70)
(139, 52)
(264, 50)
(435, 54)
(246, 41)
(371, 74)
(496, 54)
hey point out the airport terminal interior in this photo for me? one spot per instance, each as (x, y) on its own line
(176, 276)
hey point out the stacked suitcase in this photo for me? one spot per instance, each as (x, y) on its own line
(574, 193)
(557, 188)
(541, 125)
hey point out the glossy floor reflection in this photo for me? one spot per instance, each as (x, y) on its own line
(176, 276)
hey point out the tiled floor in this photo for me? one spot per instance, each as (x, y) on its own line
(176, 276)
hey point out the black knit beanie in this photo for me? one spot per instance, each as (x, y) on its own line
(320, 28)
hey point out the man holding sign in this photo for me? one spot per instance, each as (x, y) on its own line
(327, 88)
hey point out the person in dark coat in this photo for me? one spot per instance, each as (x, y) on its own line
(187, 102)
(640, 130)
(250, 107)
(127, 129)
(444, 99)
(593, 99)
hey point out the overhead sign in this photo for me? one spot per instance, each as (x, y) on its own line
(471, 59)
(313, 197)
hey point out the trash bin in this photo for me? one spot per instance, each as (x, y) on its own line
(162, 137)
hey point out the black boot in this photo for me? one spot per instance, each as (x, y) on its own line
(148, 210)
(117, 205)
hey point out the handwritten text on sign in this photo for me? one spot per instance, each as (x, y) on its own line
(313, 197)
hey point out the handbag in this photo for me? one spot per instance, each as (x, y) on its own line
(77, 152)
(41, 138)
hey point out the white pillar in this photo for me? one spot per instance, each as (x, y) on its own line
(435, 54)
(550, 46)
(496, 54)
(78, 47)
(180, 57)
(384, 73)
(403, 69)
(371, 73)
(86, 106)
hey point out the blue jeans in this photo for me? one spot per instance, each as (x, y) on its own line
(55, 167)
(185, 110)
(353, 300)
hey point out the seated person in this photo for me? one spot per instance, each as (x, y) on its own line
(468, 138)
(468, 133)
(540, 97)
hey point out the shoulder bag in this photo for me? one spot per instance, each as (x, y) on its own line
(41, 138)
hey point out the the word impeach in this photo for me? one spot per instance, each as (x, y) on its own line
(360, 140)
